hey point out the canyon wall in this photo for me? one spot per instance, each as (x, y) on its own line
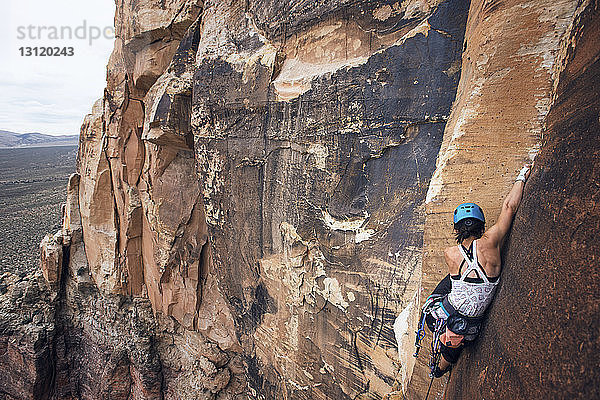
(258, 172)
(316, 144)
(541, 339)
(510, 62)
(265, 186)
(252, 185)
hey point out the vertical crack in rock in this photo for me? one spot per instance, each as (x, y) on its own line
(117, 264)
(496, 122)
(555, 228)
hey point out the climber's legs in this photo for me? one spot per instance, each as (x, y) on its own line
(449, 357)
(444, 364)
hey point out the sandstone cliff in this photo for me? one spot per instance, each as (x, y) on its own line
(541, 340)
(265, 186)
(510, 64)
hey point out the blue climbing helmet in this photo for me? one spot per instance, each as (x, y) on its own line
(468, 210)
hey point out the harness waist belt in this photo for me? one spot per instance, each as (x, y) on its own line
(452, 311)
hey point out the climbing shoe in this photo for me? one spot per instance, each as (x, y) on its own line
(438, 373)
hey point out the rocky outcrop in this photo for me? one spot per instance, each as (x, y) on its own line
(257, 172)
(52, 258)
(114, 346)
(541, 337)
(496, 124)
(26, 336)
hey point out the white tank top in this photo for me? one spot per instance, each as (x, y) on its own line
(469, 298)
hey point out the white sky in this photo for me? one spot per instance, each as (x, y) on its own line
(51, 95)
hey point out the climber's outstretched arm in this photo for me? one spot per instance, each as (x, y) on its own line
(497, 233)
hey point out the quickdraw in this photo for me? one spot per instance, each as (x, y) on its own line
(430, 304)
(436, 354)
(420, 334)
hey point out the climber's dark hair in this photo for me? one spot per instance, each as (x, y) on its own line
(468, 227)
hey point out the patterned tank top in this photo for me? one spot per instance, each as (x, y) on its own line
(469, 298)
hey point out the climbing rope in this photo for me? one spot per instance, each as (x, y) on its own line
(430, 383)
(436, 354)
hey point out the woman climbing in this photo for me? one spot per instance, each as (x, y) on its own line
(456, 307)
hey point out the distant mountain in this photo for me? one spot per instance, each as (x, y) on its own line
(12, 139)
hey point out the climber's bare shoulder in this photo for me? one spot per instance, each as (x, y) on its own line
(453, 259)
(488, 254)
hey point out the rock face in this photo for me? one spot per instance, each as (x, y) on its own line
(316, 145)
(26, 338)
(541, 339)
(52, 258)
(505, 91)
(257, 172)
(264, 188)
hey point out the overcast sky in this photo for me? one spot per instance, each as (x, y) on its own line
(52, 94)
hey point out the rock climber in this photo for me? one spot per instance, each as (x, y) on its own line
(474, 271)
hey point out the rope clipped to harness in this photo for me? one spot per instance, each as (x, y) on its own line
(431, 303)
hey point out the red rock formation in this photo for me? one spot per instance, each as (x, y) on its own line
(541, 339)
(51, 258)
(173, 164)
(315, 214)
(26, 338)
(508, 71)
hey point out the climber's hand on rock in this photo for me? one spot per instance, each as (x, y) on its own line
(529, 168)
(524, 173)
